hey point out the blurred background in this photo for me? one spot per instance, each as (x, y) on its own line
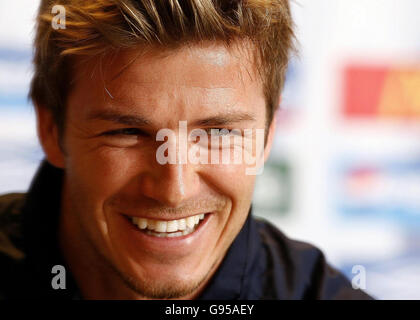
(344, 173)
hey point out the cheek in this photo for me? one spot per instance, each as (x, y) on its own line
(103, 171)
(231, 181)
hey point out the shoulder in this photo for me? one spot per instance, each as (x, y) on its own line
(11, 224)
(11, 237)
(299, 270)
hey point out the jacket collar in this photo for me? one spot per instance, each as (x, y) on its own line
(236, 277)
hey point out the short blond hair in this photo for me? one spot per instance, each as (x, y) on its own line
(94, 27)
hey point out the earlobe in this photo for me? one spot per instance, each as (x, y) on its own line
(48, 137)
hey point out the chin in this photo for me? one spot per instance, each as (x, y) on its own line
(166, 285)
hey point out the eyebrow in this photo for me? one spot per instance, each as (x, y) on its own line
(137, 120)
(224, 119)
(125, 119)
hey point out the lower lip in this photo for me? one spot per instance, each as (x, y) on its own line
(167, 243)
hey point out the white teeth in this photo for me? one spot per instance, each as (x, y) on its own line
(169, 235)
(172, 226)
(163, 228)
(142, 223)
(151, 224)
(182, 224)
(187, 231)
(190, 222)
(174, 234)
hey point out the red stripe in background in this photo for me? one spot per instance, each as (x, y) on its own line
(363, 87)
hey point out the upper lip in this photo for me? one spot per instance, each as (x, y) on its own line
(166, 218)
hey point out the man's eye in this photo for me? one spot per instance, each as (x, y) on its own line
(125, 132)
(222, 132)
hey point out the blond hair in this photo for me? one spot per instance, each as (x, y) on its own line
(94, 27)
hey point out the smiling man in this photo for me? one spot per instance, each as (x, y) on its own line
(122, 223)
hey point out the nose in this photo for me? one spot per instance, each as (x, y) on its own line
(171, 184)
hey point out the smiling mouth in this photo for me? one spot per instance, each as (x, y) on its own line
(170, 228)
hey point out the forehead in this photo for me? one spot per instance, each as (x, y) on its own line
(204, 76)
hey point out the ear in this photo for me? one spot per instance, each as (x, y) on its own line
(48, 136)
(270, 136)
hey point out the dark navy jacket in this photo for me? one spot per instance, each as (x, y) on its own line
(262, 263)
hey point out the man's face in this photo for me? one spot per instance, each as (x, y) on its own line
(114, 112)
